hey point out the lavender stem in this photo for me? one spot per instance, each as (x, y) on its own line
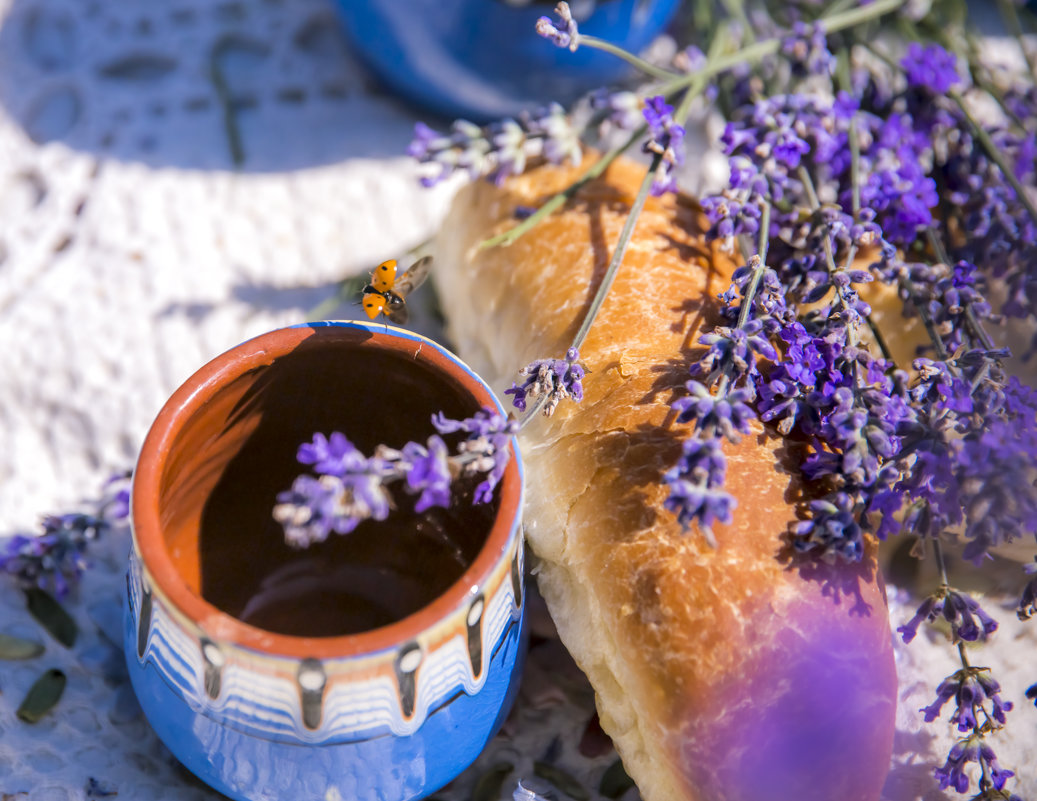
(512, 234)
(630, 58)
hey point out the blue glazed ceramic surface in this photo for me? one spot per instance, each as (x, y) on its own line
(482, 59)
(392, 713)
(246, 742)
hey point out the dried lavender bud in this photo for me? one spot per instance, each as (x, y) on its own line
(666, 139)
(730, 217)
(735, 350)
(695, 486)
(315, 507)
(833, 530)
(726, 412)
(807, 49)
(690, 59)
(486, 448)
(622, 109)
(555, 379)
(498, 150)
(563, 35)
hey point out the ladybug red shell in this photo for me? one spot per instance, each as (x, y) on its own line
(385, 294)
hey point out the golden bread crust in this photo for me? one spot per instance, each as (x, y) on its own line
(667, 629)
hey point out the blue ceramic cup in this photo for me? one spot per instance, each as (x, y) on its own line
(367, 667)
(483, 59)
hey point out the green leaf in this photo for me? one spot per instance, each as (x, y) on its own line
(488, 786)
(615, 781)
(18, 648)
(42, 696)
(565, 782)
(52, 616)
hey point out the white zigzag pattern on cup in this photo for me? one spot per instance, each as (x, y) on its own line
(268, 702)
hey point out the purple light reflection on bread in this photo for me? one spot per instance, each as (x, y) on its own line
(810, 714)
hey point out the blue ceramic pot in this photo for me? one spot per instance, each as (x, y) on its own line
(265, 714)
(482, 59)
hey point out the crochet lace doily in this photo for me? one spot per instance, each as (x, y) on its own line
(176, 177)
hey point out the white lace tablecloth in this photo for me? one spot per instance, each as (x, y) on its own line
(176, 177)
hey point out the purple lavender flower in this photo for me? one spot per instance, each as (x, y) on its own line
(768, 304)
(730, 217)
(466, 147)
(310, 510)
(555, 379)
(995, 466)
(486, 448)
(427, 472)
(551, 135)
(833, 530)
(666, 139)
(352, 488)
(498, 150)
(971, 688)
(807, 49)
(971, 749)
(959, 610)
(930, 67)
(622, 109)
(695, 484)
(896, 187)
(952, 774)
(563, 35)
(734, 350)
(115, 501)
(726, 412)
(334, 455)
(57, 556)
(690, 59)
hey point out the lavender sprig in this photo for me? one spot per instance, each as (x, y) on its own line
(718, 408)
(485, 451)
(807, 49)
(666, 140)
(566, 35)
(692, 84)
(496, 150)
(972, 749)
(958, 609)
(350, 487)
(56, 557)
(970, 688)
(549, 381)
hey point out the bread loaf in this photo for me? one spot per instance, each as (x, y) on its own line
(733, 673)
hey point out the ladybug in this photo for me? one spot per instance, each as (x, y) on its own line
(385, 294)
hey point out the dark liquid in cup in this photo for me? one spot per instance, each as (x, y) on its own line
(380, 572)
(375, 575)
